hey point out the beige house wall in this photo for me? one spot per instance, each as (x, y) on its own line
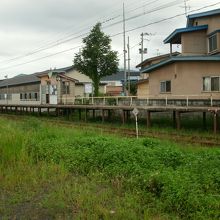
(186, 78)
(15, 92)
(15, 100)
(21, 89)
(78, 76)
(212, 21)
(82, 78)
(143, 89)
(194, 43)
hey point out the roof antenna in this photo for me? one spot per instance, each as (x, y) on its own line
(185, 6)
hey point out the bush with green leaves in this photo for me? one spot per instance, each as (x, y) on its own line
(174, 180)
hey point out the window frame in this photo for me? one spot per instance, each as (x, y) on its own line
(211, 42)
(66, 87)
(166, 91)
(210, 83)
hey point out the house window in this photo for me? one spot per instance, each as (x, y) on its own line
(66, 87)
(165, 86)
(213, 43)
(36, 96)
(21, 96)
(211, 84)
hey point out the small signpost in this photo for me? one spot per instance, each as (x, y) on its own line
(135, 112)
(88, 88)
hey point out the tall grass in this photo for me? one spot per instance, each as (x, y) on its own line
(67, 173)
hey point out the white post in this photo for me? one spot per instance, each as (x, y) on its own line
(131, 101)
(117, 101)
(136, 120)
(187, 101)
(166, 100)
(211, 101)
(125, 73)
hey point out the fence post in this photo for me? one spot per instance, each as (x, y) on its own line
(131, 101)
(147, 100)
(104, 101)
(117, 101)
(166, 100)
(211, 101)
(187, 101)
(92, 100)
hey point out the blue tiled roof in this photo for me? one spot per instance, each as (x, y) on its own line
(202, 14)
(177, 33)
(179, 59)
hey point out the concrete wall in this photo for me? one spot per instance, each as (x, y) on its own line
(186, 78)
(194, 43)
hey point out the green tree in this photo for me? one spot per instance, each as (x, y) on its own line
(96, 59)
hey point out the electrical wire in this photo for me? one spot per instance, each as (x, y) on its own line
(62, 40)
(130, 30)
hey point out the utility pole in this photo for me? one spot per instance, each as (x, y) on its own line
(143, 50)
(185, 5)
(6, 78)
(129, 72)
(142, 47)
(125, 73)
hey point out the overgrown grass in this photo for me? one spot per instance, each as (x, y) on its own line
(63, 173)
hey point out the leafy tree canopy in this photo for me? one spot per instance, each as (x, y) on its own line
(96, 59)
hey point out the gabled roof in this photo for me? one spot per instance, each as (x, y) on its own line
(67, 77)
(157, 58)
(60, 70)
(175, 37)
(32, 78)
(191, 17)
(20, 80)
(180, 59)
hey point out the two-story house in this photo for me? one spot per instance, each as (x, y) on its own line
(196, 71)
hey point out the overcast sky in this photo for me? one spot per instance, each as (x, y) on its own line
(41, 34)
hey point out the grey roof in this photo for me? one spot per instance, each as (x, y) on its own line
(119, 76)
(163, 56)
(19, 80)
(179, 59)
(64, 69)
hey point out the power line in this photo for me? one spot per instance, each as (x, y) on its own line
(64, 40)
(41, 58)
(147, 12)
(165, 19)
(59, 41)
(156, 22)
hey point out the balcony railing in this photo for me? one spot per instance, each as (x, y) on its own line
(171, 100)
